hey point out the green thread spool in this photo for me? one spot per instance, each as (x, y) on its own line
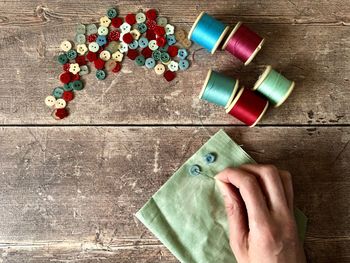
(275, 87)
(219, 89)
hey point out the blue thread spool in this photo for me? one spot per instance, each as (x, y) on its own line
(207, 32)
(219, 89)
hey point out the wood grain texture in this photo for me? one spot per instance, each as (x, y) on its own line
(308, 41)
(71, 193)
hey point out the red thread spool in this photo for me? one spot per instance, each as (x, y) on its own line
(243, 43)
(248, 107)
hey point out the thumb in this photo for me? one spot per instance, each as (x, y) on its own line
(236, 215)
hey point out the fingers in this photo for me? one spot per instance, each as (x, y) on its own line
(250, 191)
(270, 179)
(236, 215)
(288, 188)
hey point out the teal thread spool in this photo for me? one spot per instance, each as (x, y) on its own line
(207, 32)
(275, 87)
(219, 89)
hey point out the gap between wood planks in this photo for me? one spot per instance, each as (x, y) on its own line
(177, 125)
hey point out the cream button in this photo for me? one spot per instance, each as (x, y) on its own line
(159, 69)
(50, 101)
(66, 46)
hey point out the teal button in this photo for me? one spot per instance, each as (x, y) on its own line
(143, 42)
(142, 28)
(184, 64)
(134, 44)
(164, 49)
(164, 57)
(100, 74)
(67, 87)
(140, 60)
(182, 53)
(77, 85)
(171, 40)
(72, 54)
(150, 63)
(62, 59)
(112, 13)
(156, 54)
(195, 170)
(57, 92)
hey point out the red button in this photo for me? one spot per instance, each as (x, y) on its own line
(151, 14)
(117, 22)
(150, 35)
(91, 56)
(81, 60)
(146, 52)
(66, 67)
(68, 95)
(92, 38)
(159, 30)
(99, 63)
(61, 113)
(114, 35)
(74, 77)
(132, 54)
(161, 41)
(65, 77)
(169, 75)
(151, 24)
(130, 19)
(172, 51)
(127, 38)
(117, 68)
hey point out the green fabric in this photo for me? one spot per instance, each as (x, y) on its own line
(187, 214)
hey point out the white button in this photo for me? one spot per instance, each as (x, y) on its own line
(50, 101)
(66, 46)
(60, 104)
(105, 55)
(74, 68)
(125, 27)
(169, 29)
(94, 47)
(123, 48)
(159, 69)
(153, 45)
(102, 31)
(140, 18)
(173, 66)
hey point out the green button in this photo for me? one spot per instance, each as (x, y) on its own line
(81, 29)
(67, 87)
(71, 54)
(112, 13)
(57, 92)
(62, 59)
(77, 85)
(162, 21)
(140, 60)
(80, 39)
(84, 69)
(164, 57)
(91, 29)
(156, 55)
(100, 74)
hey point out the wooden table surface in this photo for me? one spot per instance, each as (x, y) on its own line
(69, 189)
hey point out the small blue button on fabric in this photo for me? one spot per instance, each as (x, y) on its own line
(143, 42)
(150, 63)
(184, 64)
(171, 40)
(195, 170)
(134, 44)
(210, 158)
(182, 53)
(101, 40)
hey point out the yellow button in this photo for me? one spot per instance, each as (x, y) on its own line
(50, 101)
(105, 21)
(60, 104)
(82, 49)
(159, 69)
(74, 68)
(66, 46)
(135, 34)
(105, 55)
(117, 56)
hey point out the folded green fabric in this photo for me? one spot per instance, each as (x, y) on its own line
(187, 214)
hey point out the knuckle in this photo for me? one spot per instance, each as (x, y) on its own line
(269, 170)
(250, 182)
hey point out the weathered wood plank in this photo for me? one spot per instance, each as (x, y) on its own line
(315, 55)
(70, 193)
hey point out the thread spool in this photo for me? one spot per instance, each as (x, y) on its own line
(275, 87)
(248, 107)
(207, 32)
(243, 43)
(219, 89)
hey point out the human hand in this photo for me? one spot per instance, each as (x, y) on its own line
(259, 206)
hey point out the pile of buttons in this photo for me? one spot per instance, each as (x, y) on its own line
(143, 37)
